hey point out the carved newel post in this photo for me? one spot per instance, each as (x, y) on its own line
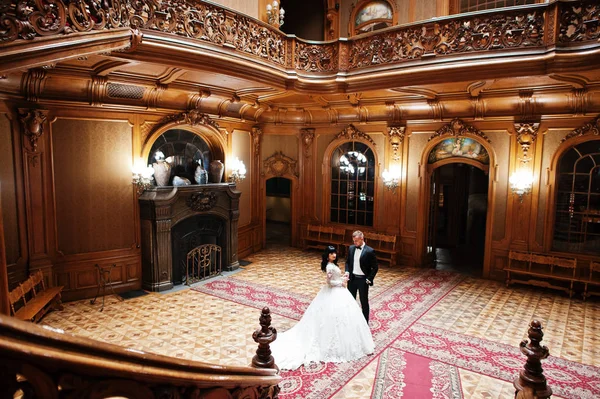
(532, 378)
(264, 336)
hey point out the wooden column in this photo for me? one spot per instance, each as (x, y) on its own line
(4, 302)
(392, 197)
(257, 197)
(332, 20)
(524, 161)
(38, 186)
(308, 176)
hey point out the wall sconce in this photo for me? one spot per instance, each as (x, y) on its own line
(275, 14)
(141, 175)
(521, 183)
(238, 171)
(391, 178)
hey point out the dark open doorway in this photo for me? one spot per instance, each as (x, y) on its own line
(457, 218)
(278, 212)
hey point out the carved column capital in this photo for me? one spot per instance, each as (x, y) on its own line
(526, 136)
(308, 136)
(33, 124)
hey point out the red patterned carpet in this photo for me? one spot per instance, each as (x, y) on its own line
(412, 359)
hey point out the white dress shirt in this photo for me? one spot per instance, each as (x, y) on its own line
(357, 270)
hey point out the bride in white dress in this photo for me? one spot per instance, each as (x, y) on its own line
(333, 328)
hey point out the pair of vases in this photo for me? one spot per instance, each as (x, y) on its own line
(162, 173)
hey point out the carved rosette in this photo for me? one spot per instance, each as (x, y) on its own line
(395, 136)
(279, 165)
(526, 136)
(458, 128)
(256, 134)
(202, 201)
(592, 127)
(352, 133)
(316, 57)
(33, 124)
(308, 136)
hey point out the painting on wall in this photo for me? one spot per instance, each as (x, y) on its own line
(374, 10)
(461, 147)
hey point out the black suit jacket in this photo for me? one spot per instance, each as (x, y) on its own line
(368, 262)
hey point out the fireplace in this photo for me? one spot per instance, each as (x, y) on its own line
(174, 220)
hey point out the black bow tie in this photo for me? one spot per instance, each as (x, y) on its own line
(359, 248)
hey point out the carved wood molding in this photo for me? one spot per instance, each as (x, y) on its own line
(33, 124)
(592, 127)
(526, 136)
(396, 136)
(256, 134)
(279, 165)
(579, 21)
(192, 118)
(308, 136)
(352, 133)
(458, 128)
(316, 57)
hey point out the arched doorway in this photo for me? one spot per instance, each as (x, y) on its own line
(457, 218)
(278, 212)
(456, 143)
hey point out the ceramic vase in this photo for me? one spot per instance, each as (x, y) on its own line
(201, 176)
(162, 172)
(216, 171)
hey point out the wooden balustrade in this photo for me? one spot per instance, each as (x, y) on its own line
(38, 362)
(531, 383)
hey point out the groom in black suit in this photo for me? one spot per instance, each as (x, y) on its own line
(361, 266)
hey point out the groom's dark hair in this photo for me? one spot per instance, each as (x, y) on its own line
(328, 250)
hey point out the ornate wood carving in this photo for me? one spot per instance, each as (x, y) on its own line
(526, 104)
(202, 201)
(579, 100)
(32, 85)
(532, 376)
(592, 127)
(316, 57)
(264, 336)
(257, 134)
(396, 137)
(33, 124)
(579, 21)
(458, 128)
(279, 164)
(308, 136)
(207, 22)
(526, 136)
(489, 31)
(193, 117)
(352, 133)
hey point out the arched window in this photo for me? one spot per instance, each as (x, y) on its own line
(370, 15)
(577, 218)
(352, 184)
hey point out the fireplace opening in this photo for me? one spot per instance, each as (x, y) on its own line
(191, 233)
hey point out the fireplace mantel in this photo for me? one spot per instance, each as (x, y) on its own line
(161, 208)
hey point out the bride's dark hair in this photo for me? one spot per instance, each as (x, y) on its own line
(329, 250)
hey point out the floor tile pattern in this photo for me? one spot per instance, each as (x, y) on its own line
(193, 325)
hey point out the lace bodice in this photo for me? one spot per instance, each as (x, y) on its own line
(334, 275)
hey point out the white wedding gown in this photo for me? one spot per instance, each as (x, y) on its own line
(333, 329)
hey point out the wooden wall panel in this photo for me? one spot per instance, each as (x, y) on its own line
(92, 176)
(501, 144)
(248, 238)
(425, 9)
(417, 142)
(248, 7)
(9, 192)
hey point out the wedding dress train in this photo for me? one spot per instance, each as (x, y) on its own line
(333, 329)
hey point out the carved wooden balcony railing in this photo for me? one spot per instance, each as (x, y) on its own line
(542, 26)
(45, 363)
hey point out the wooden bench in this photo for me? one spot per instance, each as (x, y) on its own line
(545, 270)
(318, 237)
(384, 246)
(31, 300)
(593, 280)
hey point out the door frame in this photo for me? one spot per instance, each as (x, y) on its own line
(426, 171)
(294, 184)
